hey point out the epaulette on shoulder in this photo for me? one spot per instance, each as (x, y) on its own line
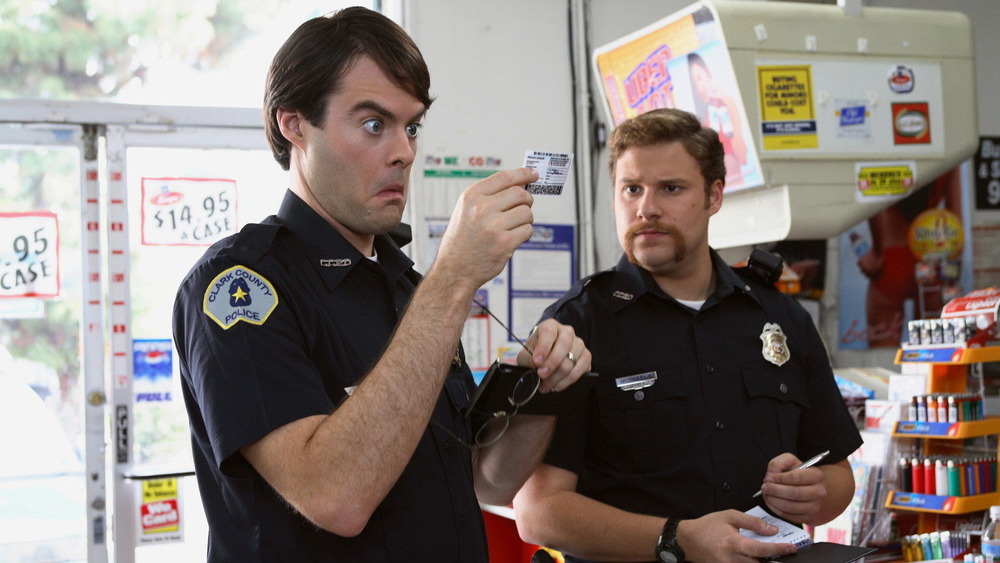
(255, 239)
(581, 286)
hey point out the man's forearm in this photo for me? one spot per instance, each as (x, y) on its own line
(502, 468)
(384, 419)
(584, 527)
(839, 481)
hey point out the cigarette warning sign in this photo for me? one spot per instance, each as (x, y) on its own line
(788, 118)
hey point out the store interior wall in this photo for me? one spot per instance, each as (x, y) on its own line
(503, 83)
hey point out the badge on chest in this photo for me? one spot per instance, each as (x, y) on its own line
(775, 348)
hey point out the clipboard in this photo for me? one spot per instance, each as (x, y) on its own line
(825, 552)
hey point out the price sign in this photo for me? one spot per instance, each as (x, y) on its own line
(29, 254)
(987, 166)
(187, 211)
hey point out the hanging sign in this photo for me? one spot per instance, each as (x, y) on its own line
(29, 254)
(187, 211)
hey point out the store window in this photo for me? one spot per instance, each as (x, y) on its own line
(186, 52)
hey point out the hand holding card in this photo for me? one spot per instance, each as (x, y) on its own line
(552, 168)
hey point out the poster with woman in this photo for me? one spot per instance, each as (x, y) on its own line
(904, 263)
(682, 61)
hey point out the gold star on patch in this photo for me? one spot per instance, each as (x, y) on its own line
(239, 294)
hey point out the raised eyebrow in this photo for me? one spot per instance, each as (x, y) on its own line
(373, 106)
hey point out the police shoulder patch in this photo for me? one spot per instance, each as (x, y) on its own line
(239, 294)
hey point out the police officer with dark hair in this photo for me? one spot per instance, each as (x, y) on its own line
(323, 378)
(713, 384)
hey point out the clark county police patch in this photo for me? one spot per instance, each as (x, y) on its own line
(239, 294)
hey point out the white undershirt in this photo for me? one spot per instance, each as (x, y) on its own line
(695, 305)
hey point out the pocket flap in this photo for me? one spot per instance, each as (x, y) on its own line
(775, 384)
(611, 398)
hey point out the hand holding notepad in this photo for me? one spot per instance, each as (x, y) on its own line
(787, 532)
(819, 552)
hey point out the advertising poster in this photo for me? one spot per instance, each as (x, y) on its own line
(160, 512)
(987, 167)
(187, 211)
(903, 263)
(541, 271)
(986, 234)
(29, 254)
(152, 369)
(682, 62)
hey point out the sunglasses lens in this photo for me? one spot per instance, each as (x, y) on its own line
(525, 389)
(491, 432)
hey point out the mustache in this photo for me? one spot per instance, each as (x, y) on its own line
(656, 226)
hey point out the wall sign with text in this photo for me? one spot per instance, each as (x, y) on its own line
(987, 167)
(187, 211)
(29, 254)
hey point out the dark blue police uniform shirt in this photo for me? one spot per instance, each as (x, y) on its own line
(699, 439)
(274, 324)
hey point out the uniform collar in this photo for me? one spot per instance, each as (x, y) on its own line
(328, 250)
(632, 281)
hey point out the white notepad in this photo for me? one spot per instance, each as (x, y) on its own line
(787, 533)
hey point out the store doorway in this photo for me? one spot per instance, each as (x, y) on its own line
(134, 195)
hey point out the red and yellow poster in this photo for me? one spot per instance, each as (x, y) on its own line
(160, 511)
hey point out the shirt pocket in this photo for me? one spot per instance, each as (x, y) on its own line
(776, 400)
(643, 430)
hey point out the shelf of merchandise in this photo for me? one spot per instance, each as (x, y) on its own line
(948, 355)
(938, 504)
(948, 374)
(947, 430)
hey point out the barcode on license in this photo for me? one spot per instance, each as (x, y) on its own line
(544, 189)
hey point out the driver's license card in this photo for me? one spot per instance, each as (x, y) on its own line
(552, 168)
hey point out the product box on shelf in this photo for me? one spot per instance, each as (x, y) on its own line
(981, 306)
(968, 321)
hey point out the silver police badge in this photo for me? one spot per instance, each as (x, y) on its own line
(775, 344)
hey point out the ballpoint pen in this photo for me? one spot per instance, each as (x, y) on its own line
(808, 463)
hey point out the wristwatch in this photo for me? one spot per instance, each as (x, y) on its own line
(667, 550)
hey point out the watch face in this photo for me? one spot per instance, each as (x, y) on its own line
(667, 557)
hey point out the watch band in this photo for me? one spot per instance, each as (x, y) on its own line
(667, 549)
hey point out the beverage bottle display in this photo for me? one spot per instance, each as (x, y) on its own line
(991, 536)
(859, 243)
